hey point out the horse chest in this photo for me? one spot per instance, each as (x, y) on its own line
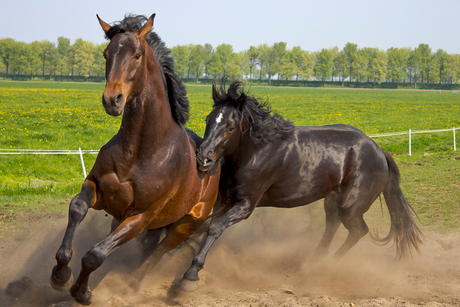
(116, 196)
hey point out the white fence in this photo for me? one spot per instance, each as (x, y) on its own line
(410, 132)
(81, 152)
(51, 152)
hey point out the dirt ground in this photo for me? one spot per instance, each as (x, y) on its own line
(264, 261)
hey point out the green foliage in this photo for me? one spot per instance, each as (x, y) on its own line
(397, 64)
(378, 65)
(264, 62)
(351, 53)
(44, 57)
(324, 64)
(180, 56)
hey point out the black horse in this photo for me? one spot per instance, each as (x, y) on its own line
(270, 163)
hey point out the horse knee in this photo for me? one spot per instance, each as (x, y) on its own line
(78, 209)
(93, 259)
(216, 229)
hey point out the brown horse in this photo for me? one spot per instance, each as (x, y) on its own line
(146, 176)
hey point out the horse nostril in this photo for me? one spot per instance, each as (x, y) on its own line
(209, 153)
(119, 99)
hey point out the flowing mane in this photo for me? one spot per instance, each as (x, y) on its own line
(175, 88)
(263, 126)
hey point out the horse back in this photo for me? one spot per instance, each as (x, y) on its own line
(311, 164)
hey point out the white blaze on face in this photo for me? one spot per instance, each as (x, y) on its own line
(219, 117)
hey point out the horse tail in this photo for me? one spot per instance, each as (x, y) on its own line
(404, 232)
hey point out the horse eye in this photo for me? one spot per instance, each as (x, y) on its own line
(137, 56)
(230, 129)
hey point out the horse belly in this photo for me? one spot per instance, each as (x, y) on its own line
(290, 198)
(302, 189)
(176, 207)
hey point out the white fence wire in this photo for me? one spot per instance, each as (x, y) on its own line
(81, 152)
(410, 132)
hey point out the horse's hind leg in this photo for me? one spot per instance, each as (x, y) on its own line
(357, 229)
(351, 210)
(148, 241)
(332, 224)
(177, 233)
(61, 276)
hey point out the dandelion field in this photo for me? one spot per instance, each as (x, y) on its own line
(68, 116)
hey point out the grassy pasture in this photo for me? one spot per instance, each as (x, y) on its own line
(67, 116)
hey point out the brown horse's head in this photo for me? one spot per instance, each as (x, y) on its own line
(126, 65)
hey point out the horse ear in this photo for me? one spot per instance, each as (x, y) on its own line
(105, 26)
(215, 95)
(242, 101)
(147, 27)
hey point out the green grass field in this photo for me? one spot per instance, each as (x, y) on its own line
(68, 116)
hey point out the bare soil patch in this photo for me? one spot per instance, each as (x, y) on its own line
(265, 261)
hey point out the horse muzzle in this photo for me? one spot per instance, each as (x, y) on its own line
(204, 164)
(113, 105)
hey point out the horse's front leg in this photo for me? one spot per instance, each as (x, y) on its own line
(237, 213)
(61, 276)
(93, 259)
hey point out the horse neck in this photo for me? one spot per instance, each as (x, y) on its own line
(244, 151)
(147, 118)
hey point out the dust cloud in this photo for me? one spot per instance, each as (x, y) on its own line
(266, 260)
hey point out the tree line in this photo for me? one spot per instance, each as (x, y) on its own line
(351, 64)
(82, 58)
(262, 62)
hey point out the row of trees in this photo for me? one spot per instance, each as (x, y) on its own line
(82, 58)
(353, 64)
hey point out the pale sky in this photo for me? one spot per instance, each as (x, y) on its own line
(312, 25)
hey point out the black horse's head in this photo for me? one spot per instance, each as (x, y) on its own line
(224, 125)
(237, 115)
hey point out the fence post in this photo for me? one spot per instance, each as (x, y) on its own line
(455, 145)
(410, 142)
(82, 162)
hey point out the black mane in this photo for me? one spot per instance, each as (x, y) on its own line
(175, 88)
(263, 126)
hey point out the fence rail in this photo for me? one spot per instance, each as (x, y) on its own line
(410, 132)
(45, 152)
(91, 151)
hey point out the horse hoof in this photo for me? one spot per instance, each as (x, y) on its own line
(189, 285)
(61, 281)
(86, 299)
